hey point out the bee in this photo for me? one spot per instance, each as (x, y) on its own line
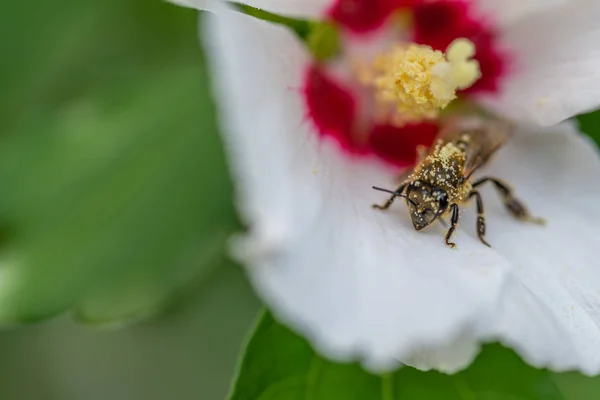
(441, 179)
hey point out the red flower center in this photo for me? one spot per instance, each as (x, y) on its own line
(341, 112)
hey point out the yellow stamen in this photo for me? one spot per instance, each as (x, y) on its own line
(419, 81)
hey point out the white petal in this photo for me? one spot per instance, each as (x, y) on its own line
(550, 306)
(363, 284)
(258, 69)
(557, 64)
(292, 8)
(508, 11)
(551, 311)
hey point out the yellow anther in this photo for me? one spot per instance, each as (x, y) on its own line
(419, 81)
(464, 71)
(460, 50)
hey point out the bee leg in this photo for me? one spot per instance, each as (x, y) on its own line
(454, 224)
(480, 217)
(513, 205)
(389, 202)
(385, 205)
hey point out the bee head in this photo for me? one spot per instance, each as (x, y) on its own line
(426, 203)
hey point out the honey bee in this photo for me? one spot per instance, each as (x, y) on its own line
(441, 179)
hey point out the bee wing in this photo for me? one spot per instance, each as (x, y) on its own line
(483, 137)
(489, 139)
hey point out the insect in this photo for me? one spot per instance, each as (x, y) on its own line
(441, 179)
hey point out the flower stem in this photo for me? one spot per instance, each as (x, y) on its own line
(301, 27)
(321, 37)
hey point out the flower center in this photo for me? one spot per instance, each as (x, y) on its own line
(417, 82)
(379, 86)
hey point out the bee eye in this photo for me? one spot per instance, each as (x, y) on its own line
(443, 202)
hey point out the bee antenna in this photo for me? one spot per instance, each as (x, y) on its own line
(395, 194)
(386, 190)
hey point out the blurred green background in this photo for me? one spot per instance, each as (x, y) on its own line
(107, 131)
(107, 210)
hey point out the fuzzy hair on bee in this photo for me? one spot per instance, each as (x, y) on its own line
(441, 179)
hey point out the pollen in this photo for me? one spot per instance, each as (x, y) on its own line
(418, 82)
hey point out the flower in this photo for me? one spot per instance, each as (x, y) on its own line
(363, 284)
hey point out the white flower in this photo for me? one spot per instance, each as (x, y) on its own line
(363, 284)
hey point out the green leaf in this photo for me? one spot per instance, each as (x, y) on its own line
(279, 365)
(114, 188)
(590, 124)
